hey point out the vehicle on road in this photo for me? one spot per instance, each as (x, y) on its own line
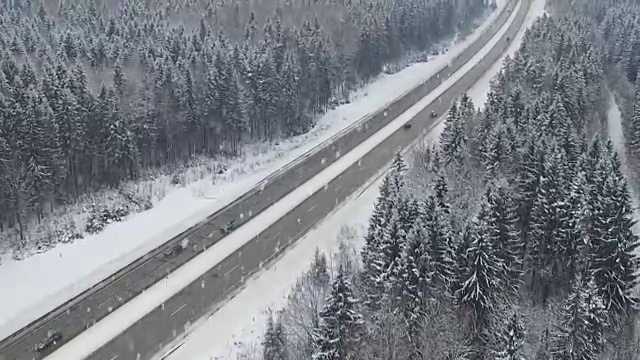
(173, 251)
(508, 39)
(228, 228)
(434, 114)
(407, 126)
(53, 338)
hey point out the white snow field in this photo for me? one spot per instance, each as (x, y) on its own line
(125, 316)
(238, 325)
(40, 283)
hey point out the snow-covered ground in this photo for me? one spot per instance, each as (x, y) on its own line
(43, 281)
(240, 322)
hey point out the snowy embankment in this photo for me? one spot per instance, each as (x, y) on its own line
(239, 324)
(40, 283)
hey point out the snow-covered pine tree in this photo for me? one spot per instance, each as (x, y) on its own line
(498, 223)
(397, 175)
(453, 139)
(119, 79)
(547, 229)
(479, 278)
(393, 216)
(512, 341)
(439, 246)
(613, 262)
(579, 333)
(319, 270)
(479, 284)
(341, 325)
(578, 211)
(274, 345)
(415, 279)
(441, 190)
(371, 251)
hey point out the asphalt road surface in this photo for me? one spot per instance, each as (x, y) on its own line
(145, 338)
(85, 310)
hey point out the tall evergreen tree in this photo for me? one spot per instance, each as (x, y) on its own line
(274, 343)
(613, 260)
(498, 223)
(341, 325)
(454, 136)
(512, 341)
(580, 332)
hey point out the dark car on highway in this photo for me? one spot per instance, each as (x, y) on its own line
(53, 338)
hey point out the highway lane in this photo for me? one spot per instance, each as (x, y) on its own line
(83, 311)
(146, 337)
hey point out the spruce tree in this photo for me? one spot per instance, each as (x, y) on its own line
(498, 223)
(274, 346)
(371, 253)
(479, 278)
(341, 325)
(415, 280)
(453, 139)
(441, 190)
(439, 246)
(613, 261)
(580, 330)
(512, 341)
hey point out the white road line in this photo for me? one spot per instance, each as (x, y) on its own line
(230, 270)
(180, 308)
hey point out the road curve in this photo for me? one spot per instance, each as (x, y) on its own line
(147, 336)
(74, 316)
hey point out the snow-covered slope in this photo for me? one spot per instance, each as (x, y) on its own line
(238, 325)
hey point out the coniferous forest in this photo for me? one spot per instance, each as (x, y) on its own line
(512, 239)
(95, 93)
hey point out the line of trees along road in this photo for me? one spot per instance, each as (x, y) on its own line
(91, 94)
(511, 240)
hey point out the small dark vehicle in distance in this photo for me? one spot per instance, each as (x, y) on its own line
(53, 338)
(508, 39)
(434, 114)
(173, 251)
(229, 228)
(407, 126)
